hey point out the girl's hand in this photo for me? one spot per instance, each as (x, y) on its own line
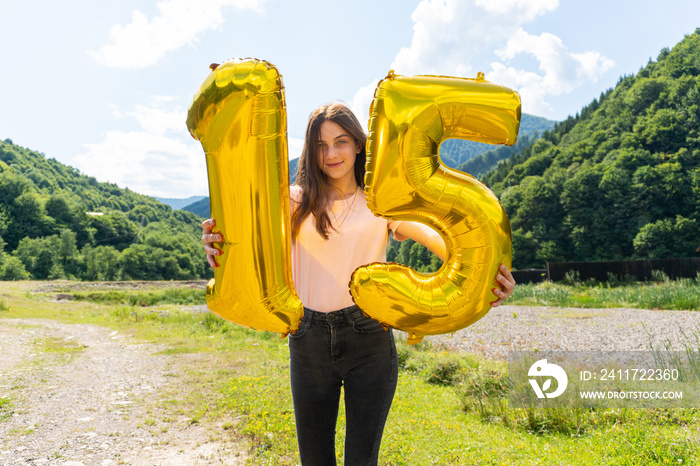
(507, 284)
(208, 238)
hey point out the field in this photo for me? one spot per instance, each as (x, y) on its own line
(450, 409)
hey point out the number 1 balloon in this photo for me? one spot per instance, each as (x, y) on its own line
(405, 180)
(239, 117)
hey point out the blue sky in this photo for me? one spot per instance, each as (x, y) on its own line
(105, 86)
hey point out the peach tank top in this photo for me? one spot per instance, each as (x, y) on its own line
(322, 268)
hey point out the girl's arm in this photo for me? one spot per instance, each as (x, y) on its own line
(431, 239)
(424, 235)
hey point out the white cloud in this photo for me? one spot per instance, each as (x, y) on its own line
(527, 10)
(459, 38)
(144, 42)
(528, 84)
(158, 118)
(159, 159)
(449, 34)
(294, 148)
(563, 70)
(361, 102)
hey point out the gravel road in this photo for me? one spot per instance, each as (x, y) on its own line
(524, 328)
(101, 404)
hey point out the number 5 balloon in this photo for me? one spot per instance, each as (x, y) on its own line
(239, 117)
(405, 180)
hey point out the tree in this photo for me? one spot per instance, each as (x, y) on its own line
(391, 253)
(38, 255)
(58, 207)
(13, 269)
(665, 239)
(100, 263)
(26, 219)
(113, 229)
(404, 255)
(419, 257)
(68, 252)
(525, 250)
(12, 186)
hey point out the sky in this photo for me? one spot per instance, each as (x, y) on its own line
(105, 86)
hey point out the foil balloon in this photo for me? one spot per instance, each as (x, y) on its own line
(405, 180)
(239, 117)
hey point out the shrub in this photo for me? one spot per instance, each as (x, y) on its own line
(13, 269)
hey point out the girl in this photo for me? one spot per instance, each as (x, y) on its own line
(333, 233)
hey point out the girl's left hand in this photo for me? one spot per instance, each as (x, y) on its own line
(507, 284)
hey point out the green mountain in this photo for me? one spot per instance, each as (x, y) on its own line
(482, 163)
(58, 223)
(457, 153)
(200, 208)
(179, 203)
(621, 179)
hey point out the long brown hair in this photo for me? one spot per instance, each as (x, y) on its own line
(314, 183)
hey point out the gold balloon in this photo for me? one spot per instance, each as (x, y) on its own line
(239, 116)
(405, 180)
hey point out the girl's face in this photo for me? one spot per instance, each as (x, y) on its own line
(336, 151)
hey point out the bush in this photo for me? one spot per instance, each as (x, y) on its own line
(13, 269)
(183, 296)
(436, 367)
(572, 277)
(665, 238)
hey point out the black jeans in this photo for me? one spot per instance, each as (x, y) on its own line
(328, 351)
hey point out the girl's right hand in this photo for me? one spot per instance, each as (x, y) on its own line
(208, 239)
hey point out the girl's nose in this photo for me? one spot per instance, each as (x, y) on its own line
(331, 152)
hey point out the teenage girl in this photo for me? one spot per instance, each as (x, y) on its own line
(333, 233)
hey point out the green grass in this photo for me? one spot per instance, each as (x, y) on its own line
(683, 294)
(5, 409)
(59, 346)
(143, 298)
(449, 409)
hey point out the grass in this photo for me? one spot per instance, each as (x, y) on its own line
(683, 294)
(5, 409)
(141, 298)
(59, 346)
(449, 409)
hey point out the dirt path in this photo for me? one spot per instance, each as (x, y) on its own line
(84, 395)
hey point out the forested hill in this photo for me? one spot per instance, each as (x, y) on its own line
(455, 153)
(58, 223)
(619, 180)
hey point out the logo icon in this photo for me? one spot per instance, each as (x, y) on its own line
(542, 368)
